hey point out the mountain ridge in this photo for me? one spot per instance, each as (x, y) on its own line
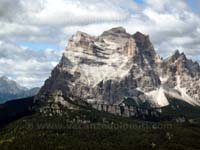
(10, 89)
(107, 68)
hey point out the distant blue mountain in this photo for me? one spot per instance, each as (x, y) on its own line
(10, 89)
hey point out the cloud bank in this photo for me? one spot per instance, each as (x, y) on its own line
(34, 33)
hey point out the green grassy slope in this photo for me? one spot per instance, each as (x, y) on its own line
(15, 109)
(101, 131)
(88, 129)
(181, 108)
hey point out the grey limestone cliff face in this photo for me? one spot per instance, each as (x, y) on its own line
(116, 65)
(105, 69)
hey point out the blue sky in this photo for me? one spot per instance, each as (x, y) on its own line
(193, 4)
(34, 33)
(39, 46)
(139, 1)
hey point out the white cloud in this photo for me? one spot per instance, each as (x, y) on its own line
(66, 12)
(167, 5)
(30, 68)
(171, 25)
(62, 12)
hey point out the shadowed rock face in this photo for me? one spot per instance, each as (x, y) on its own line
(115, 65)
(142, 41)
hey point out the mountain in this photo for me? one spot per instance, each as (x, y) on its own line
(152, 102)
(117, 66)
(9, 90)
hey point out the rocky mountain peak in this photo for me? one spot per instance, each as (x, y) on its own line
(116, 65)
(116, 32)
(80, 39)
(142, 40)
(177, 56)
(183, 64)
(96, 67)
(4, 78)
(145, 49)
(80, 36)
(10, 89)
(6, 83)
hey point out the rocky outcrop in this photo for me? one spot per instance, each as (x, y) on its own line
(106, 69)
(184, 75)
(103, 68)
(128, 111)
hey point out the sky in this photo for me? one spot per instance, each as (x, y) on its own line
(34, 33)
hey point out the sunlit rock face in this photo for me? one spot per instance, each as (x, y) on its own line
(116, 65)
